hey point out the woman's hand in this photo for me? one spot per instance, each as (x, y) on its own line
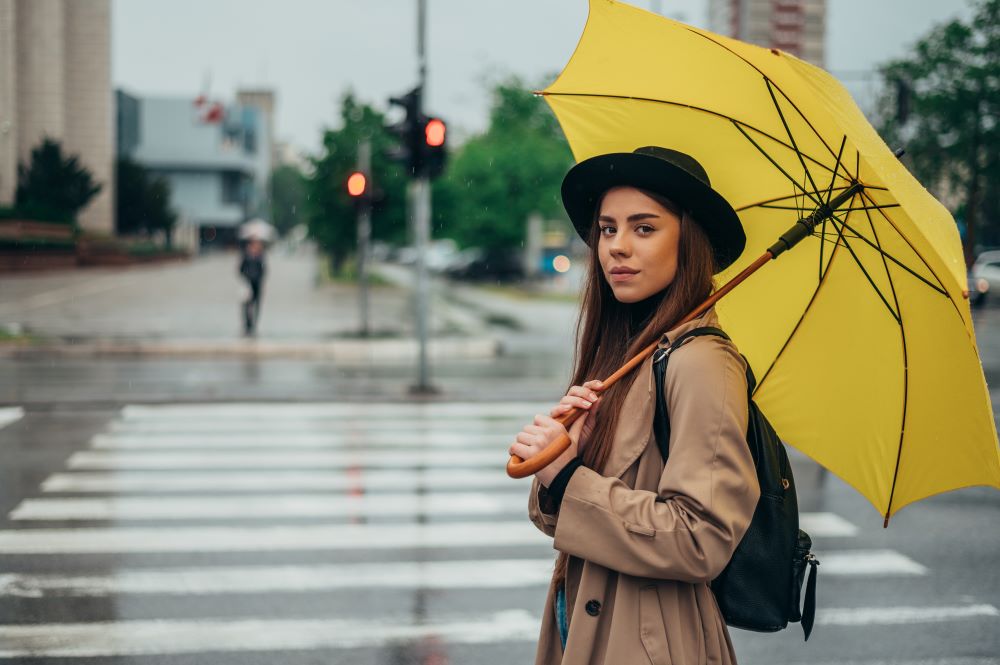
(584, 397)
(538, 436)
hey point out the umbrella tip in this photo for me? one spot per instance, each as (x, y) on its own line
(899, 152)
(775, 51)
(885, 524)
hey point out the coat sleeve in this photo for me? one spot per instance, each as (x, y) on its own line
(541, 509)
(707, 493)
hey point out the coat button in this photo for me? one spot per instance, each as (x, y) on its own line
(593, 608)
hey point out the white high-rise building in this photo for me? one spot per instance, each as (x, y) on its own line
(794, 26)
(55, 81)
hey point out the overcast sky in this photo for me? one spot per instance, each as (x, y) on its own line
(310, 51)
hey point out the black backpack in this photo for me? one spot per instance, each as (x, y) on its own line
(759, 589)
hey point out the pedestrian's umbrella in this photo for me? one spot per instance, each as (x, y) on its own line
(860, 334)
(257, 228)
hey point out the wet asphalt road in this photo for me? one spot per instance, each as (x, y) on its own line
(283, 531)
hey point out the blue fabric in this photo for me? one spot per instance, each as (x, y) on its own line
(561, 614)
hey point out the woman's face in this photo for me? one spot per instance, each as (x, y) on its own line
(638, 244)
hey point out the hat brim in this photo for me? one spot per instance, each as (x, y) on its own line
(587, 182)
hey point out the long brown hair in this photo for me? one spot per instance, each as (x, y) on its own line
(610, 332)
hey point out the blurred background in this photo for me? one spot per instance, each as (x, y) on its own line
(239, 238)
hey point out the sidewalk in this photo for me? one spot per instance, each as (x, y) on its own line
(193, 309)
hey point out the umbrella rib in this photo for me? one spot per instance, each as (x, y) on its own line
(829, 193)
(836, 169)
(693, 108)
(852, 209)
(887, 255)
(795, 145)
(777, 87)
(940, 288)
(775, 164)
(795, 196)
(894, 313)
(906, 373)
(802, 317)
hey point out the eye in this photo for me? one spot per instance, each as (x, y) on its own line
(607, 230)
(645, 229)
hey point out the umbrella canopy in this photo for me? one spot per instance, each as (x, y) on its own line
(257, 228)
(861, 336)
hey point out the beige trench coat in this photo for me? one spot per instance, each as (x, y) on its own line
(637, 584)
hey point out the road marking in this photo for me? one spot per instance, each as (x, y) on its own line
(885, 616)
(463, 574)
(277, 481)
(470, 439)
(456, 574)
(826, 525)
(270, 538)
(290, 459)
(272, 506)
(352, 425)
(12, 414)
(260, 412)
(868, 562)
(137, 638)
(208, 635)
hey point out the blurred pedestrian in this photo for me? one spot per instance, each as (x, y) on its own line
(639, 541)
(252, 270)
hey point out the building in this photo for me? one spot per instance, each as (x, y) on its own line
(216, 158)
(794, 26)
(55, 81)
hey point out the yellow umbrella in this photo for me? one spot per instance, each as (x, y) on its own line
(861, 336)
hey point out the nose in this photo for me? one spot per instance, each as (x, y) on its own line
(620, 245)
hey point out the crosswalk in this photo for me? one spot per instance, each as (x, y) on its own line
(361, 528)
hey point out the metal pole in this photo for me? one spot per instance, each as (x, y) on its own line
(422, 228)
(421, 200)
(364, 233)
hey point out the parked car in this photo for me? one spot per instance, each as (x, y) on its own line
(986, 275)
(978, 288)
(497, 265)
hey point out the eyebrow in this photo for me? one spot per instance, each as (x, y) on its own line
(631, 218)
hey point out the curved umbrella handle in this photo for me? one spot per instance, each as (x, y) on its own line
(519, 468)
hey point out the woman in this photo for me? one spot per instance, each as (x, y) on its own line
(639, 541)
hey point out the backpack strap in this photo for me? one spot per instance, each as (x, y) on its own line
(661, 421)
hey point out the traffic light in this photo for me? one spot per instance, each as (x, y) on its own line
(359, 188)
(435, 153)
(409, 132)
(422, 140)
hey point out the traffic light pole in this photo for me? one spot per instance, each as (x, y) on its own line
(421, 199)
(364, 234)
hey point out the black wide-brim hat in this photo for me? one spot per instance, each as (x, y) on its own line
(675, 175)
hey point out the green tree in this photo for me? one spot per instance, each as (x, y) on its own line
(288, 197)
(495, 180)
(53, 187)
(142, 201)
(943, 105)
(332, 219)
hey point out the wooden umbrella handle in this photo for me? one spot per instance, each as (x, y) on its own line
(519, 468)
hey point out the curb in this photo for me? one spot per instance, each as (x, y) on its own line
(350, 351)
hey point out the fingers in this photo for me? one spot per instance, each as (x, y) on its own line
(521, 450)
(584, 391)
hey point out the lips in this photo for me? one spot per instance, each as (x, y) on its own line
(622, 274)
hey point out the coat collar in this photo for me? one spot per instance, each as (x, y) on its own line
(635, 423)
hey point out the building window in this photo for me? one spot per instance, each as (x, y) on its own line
(232, 187)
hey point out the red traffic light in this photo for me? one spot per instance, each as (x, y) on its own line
(434, 132)
(357, 183)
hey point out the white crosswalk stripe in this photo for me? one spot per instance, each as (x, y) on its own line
(395, 498)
